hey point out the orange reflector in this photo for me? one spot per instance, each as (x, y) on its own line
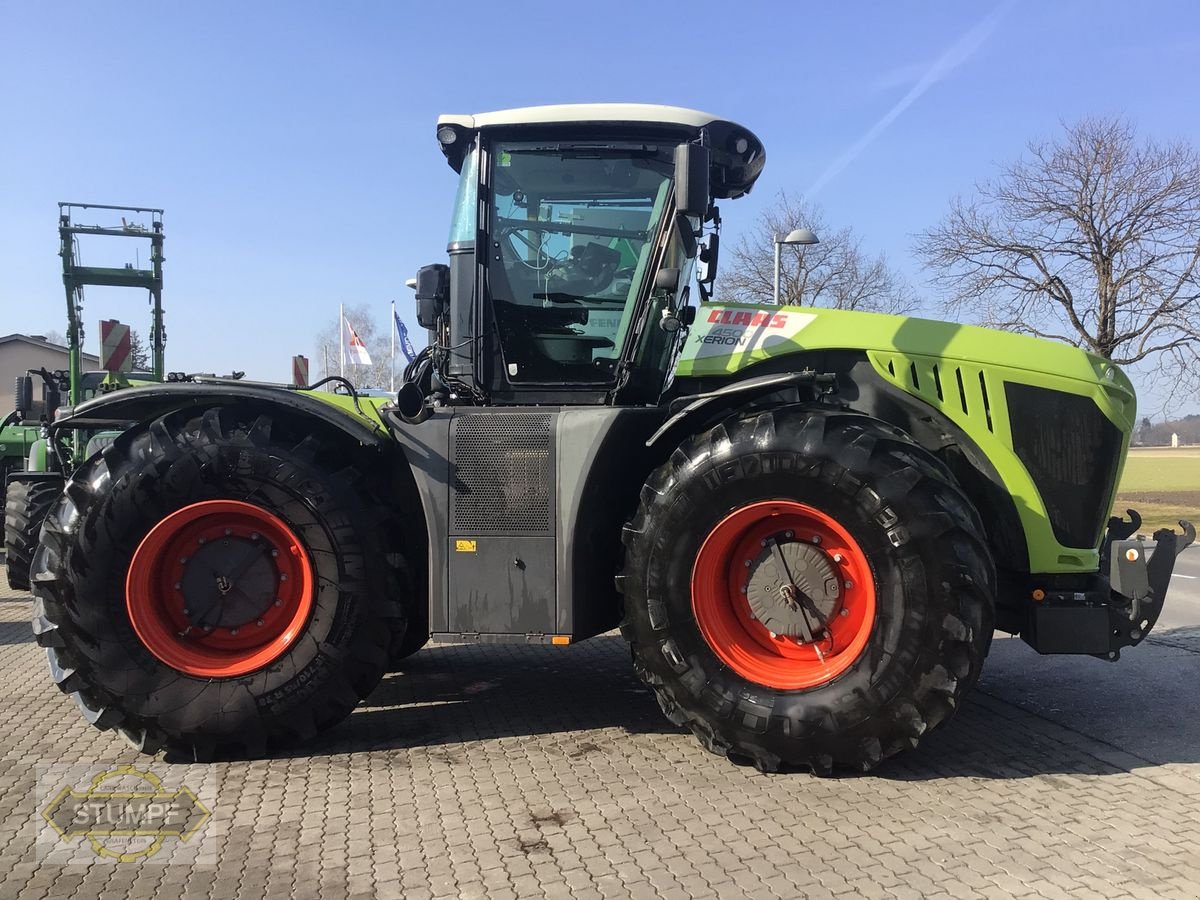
(560, 639)
(1039, 595)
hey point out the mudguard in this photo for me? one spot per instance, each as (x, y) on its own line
(357, 418)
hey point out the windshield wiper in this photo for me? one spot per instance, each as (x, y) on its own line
(569, 228)
(566, 297)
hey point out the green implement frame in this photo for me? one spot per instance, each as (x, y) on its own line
(76, 276)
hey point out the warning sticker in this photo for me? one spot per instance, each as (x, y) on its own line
(464, 546)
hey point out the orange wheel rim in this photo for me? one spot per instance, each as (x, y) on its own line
(219, 589)
(730, 601)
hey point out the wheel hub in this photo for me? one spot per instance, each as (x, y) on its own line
(783, 594)
(220, 588)
(783, 604)
(228, 583)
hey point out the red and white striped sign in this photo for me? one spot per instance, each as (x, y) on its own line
(114, 347)
(300, 371)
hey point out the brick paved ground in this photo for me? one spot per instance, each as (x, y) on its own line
(536, 771)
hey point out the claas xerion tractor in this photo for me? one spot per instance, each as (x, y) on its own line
(806, 522)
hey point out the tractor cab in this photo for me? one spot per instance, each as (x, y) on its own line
(573, 246)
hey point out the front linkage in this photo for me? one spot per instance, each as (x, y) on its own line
(1109, 613)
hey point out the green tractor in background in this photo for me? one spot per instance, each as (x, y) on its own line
(27, 428)
(807, 523)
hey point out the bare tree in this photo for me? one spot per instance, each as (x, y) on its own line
(1092, 239)
(835, 273)
(378, 344)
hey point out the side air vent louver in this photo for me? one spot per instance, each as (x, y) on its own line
(1072, 451)
(945, 386)
(503, 480)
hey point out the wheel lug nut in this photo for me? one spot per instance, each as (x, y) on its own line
(199, 540)
(254, 535)
(282, 577)
(279, 603)
(816, 539)
(208, 628)
(849, 585)
(178, 585)
(260, 623)
(844, 612)
(274, 552)
(183, 560)
(186, 611)
(233, 631)
(788, 534)
(228, 532)
(837, 557)
(748, 562)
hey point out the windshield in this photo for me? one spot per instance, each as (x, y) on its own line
(572, 231)
(462, 223)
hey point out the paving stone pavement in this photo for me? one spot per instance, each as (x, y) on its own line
(509, 771)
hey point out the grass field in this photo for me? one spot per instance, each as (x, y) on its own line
(1162, 484)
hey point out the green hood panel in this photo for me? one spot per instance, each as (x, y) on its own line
(727, 337)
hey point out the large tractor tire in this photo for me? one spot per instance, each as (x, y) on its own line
(807, 588)
(413, 632)
(26, 504)
(215, 585)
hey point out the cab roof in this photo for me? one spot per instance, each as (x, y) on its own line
(565, 113)
(738, 156)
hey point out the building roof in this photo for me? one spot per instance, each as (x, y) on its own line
(38, 341)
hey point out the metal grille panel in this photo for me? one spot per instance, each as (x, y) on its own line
(504, 473)
(1072, 452)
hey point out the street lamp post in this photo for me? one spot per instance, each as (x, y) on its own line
(802, 236)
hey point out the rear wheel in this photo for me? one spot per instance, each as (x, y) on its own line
(807, 588)
(26, 504)
(413, 633)
(215, 585)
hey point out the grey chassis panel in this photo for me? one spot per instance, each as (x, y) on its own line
(599, 462)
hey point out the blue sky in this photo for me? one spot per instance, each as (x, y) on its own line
(292, 145)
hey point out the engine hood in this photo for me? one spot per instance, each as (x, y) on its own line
(729, 337)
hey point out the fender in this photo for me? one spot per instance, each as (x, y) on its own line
(860, 388)
(735, 395)
(120, 408)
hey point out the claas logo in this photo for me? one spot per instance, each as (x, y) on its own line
(744, 317)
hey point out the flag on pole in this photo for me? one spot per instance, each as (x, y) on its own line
(406, 346)
(356, 350)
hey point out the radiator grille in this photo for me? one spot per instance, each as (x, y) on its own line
(504, 473)
(1072, 452)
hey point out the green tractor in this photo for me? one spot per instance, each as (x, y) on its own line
(807, 523)
(29, 497)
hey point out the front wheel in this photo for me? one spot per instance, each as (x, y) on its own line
(807, 588)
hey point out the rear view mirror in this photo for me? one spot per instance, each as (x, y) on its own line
(691, 180)
(433, 293)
